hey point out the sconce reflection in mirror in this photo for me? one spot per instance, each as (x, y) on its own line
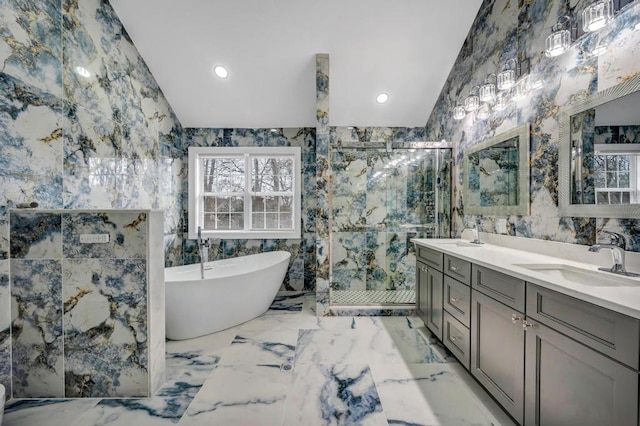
(496, 178)
(599, 157)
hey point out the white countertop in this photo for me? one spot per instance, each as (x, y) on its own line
(624, 298)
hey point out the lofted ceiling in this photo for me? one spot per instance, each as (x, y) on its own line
(405, 48)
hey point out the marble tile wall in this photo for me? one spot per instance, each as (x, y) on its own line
(80, 312)
(83, 125)
(301, 273)
(504, 29)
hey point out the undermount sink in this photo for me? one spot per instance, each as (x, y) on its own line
(581, 276)
(459, 244)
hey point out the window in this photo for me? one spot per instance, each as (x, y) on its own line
(615, 179)
(241, 192)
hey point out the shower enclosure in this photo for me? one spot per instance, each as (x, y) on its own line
(381, 196)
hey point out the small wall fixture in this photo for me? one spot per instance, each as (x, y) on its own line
(82, 72)
(472, 102)
(459, 112)
(488, 90)
(560, 38)
(506, 78)
(597, 15)
(382, 98)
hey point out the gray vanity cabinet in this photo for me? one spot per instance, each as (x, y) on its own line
(497, 351)
(429, 298)
(429, 287)
(570, 384)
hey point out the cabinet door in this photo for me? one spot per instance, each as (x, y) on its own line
(434, 302)
(422, 275)
(497, 352)
(570, 384)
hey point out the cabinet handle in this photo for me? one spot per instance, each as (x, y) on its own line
(526, 325)
(453, 339)
(515, 318)
(453, 268)
(454, 300)
(423, 269)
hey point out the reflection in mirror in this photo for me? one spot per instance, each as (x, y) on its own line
(497, 175)
(599, 154)
(605, 143)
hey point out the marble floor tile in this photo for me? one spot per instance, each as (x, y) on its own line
(333, 394)
(45, 412)
(240, 395)
(427, 394)
(289, 367)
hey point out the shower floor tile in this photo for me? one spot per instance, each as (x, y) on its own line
(289, 367)
(373, 297)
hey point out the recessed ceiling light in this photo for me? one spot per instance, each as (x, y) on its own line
(82, 72)
(221, 71)
(382, 98)
(637, 27)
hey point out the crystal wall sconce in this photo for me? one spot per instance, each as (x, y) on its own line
(560, 38)
(597, 15)
(488, 90)
(472, 102)
(506, 78)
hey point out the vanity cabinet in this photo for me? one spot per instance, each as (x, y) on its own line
(497, 351)
(568, 383)
(548, 358)
(429, 287)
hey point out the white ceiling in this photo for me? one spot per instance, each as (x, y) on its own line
(403, 47)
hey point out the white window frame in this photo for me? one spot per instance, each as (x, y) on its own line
(196, 192)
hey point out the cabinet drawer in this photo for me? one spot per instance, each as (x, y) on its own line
(504, 288)
(456, 338)
(431, 257)
(611, 333)
(457, 300)
(458, 269)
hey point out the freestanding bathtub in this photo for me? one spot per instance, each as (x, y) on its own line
(233, 291)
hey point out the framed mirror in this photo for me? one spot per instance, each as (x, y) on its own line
(496, 174)
(599, 154)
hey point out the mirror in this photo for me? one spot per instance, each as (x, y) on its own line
(599, 154)
(496, 174)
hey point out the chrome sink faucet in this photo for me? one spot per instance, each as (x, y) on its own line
(476, 233)
(618, 246)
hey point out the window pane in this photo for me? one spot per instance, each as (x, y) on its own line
(614, 197)
(600, 180)
(257, 204)
(612, 180)
(623, 179)
(258, 220)
(209, 221)
(222, 221)
(236, 204)
(623, 162)
(271, 204)
(271, 221)
(236, 221)
(602, 198)
(611, 162)
(223, 174)
(271, 174)
(626, 198)
(285, 221)
(286, 203)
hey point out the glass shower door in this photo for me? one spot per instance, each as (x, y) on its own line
(380, 200)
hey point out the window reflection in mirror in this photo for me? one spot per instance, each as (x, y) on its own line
(605, 152)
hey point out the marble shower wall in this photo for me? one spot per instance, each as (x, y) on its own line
(81, 316)
(301, 273)
(502, 30)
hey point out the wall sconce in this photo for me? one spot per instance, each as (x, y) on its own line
(472, 102)
(597, 15)
(560, 38)
(488, 90)
(506, 78)
(520, 90)
(459, 112)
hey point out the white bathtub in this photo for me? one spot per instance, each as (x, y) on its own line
(233, 291)
(2, 392)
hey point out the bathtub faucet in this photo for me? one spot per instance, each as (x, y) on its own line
(203, 251)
